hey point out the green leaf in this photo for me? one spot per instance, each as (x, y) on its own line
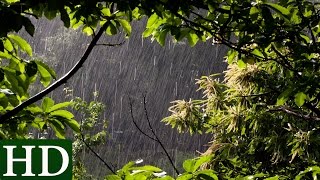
(200, 161)
(50, 70)
(241, 64)
(147, 168)
(126, 26)
(8, 45)
(300, 98)
(188, 165)
(87, 30)
(273, 178)
(208, 175)
(161, 38)
(59, 106)
(152, 19)
(185, 177)
(278, 8)
(62, 113)
(73, 124)
(192, 38)
(106, 12)
(283, 97)
(46, 104)
(58, 128)
(23, 44)
(254, 10)
(111, 30)
(45, 76)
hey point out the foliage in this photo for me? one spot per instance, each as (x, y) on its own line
(192, 171)
(264, 115)
(90, 114)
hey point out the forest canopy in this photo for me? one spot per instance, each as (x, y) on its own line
(263, 115)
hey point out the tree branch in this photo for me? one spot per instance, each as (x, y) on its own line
(156, 138)
(296, 114)
(6, 117)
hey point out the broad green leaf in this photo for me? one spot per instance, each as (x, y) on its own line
(23, 44)
(12, 1)
(46, 104)
(161, 38)
(254, 10)
(59, 106)
(147, 32)
(87, 30)
(257, 53)
(62, 113)
(188, 165)
(106, 11)
(58, 128)
(50, 70)
(241, 64)
(300, 98)
(192, 38)
(34, 109)
(126, 26)
(152, 19)
(45, 76)
(8, 45)
(147, 168)
(38, 123)
(73, 124)
(185, 177)
(200, 161)
(111, 30)
(283, 97)
(278, 8)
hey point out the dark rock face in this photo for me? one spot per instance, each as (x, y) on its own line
(138, 67)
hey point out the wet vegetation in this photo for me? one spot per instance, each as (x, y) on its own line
(258, 112)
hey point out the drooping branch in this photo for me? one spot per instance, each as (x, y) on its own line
(156, 138)
(6, 117)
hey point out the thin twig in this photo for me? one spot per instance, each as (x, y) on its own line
(135, 123)
(155, 135)
(96, 154)
(294, 113)
(156, 139)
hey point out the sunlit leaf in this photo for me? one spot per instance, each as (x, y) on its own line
(23, 44)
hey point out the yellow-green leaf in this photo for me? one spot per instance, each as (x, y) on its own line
(23, 44)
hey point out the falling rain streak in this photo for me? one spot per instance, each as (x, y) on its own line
(161, 71)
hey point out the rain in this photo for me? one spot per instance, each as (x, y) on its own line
(138, 67)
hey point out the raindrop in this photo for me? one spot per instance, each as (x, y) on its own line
(154, 60)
